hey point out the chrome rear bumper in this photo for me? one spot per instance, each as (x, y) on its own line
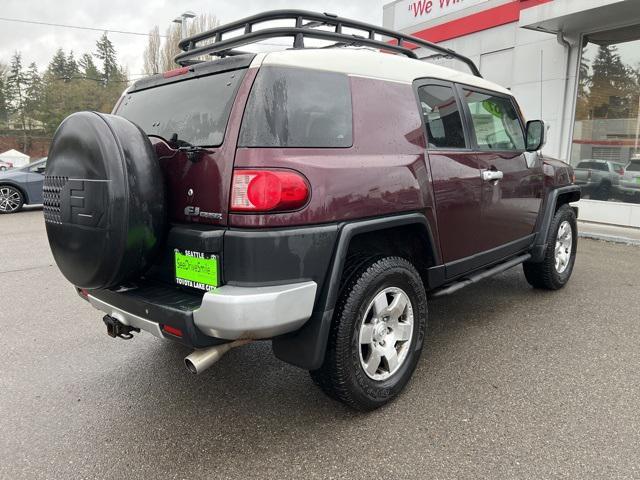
(231, 312)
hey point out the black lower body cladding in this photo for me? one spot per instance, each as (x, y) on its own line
(104, 201)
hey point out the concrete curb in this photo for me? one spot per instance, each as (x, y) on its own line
(609, 238)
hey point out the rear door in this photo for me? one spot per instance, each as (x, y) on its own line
(512, 184)
(455, 171)
(192, 118)
(35, 179)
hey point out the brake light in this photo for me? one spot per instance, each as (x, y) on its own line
(176, 332)
(268, 191)
(619, 171)
(175, 72)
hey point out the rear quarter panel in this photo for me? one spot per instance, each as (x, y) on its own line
(383, 173)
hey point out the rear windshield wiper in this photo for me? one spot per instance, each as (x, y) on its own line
(193, 152)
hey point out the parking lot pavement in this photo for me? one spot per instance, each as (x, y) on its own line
(513, 383)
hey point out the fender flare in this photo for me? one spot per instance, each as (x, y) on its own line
(544, 222)
(306, 347)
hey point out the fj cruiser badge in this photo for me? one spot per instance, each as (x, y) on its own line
(196, 212)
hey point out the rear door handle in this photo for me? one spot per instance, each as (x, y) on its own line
(490, 175)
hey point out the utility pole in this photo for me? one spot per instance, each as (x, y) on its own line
(182, 20)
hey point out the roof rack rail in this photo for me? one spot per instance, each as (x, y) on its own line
(306, 24)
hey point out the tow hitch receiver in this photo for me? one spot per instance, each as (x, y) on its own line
(115, 328)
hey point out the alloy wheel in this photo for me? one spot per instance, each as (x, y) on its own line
(10, 199)
(385, 333)
(564, 245)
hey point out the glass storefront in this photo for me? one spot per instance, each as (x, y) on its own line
(606, 141)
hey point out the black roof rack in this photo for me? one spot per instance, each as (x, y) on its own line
(306, 24)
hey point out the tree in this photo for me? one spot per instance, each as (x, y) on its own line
(88, 68)
(611, 85)
(58, 64)
(4, 107)
(33, 95)
(152, 52)
(170, 48)
(17, 83)
(71, 66)
(111, 72)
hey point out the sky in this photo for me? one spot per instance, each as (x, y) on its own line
(38, 43)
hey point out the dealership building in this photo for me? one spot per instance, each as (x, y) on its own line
(573, 63)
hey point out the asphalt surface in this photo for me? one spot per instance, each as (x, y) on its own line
(513, 383)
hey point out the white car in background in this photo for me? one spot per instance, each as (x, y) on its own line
(630, 181)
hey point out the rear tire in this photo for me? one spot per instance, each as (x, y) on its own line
(555, 269)
(11, 199)
(377, 334)
(603, 192)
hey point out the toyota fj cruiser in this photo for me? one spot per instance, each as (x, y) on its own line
(312, 196)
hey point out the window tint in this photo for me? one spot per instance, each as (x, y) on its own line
(292, 107)
(441, 117)
(495, 122)
(195, 110)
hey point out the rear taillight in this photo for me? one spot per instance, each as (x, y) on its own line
(589, 175)
(619, 171)
(268, 191)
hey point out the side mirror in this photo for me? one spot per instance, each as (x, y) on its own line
(536, 135)
(41, 169)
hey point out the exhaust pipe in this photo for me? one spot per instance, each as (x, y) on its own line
(199, 360)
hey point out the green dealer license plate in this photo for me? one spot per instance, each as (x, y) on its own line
(196, 269)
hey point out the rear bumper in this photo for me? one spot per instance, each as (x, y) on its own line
(255, 312)
(228, 313)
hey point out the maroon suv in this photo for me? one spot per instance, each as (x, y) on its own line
(312, 197)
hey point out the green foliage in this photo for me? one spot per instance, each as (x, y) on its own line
(111, 72)
(38, 102)
(4, 107)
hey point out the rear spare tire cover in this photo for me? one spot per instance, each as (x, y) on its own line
(104, 202)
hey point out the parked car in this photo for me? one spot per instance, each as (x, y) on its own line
(21, 186)
(630, 181)
(311, 197)
(5, 166)
(599, 179)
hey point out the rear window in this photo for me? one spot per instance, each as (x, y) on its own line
(195, 111)
(292, 107)
(634, 166)
(593, 166)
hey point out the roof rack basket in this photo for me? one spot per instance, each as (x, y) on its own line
(306, 26)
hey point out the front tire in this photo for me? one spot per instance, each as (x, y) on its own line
(555, 270)
(11, 199)
(377, 334)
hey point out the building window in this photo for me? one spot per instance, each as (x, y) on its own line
(607, 125)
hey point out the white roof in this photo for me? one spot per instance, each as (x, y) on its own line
(13, 154)
(365, 62)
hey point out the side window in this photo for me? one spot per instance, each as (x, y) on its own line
(293, 107)
(39, 168)
(495, 122)
(441, 117)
